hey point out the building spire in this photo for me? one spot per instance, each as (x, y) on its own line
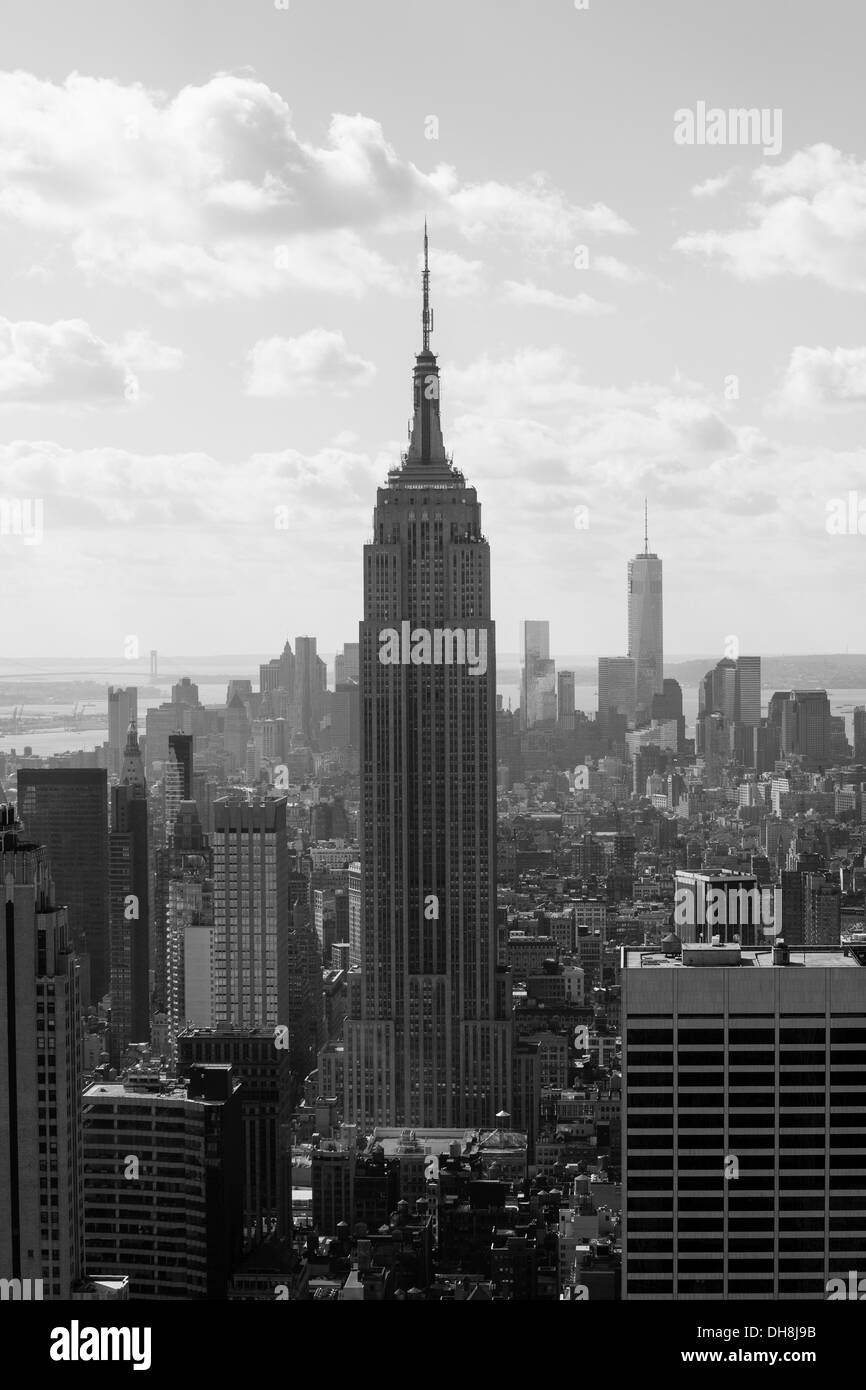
(645, 528)
(132, 769)
(426, 446)
(426, 311)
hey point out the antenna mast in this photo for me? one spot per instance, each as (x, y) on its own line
(426, 312)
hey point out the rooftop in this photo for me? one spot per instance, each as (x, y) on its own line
(699, 955)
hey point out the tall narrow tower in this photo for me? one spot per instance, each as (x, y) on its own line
(41, 1233)
(645, 639)
(427, 1040)
(129, 892)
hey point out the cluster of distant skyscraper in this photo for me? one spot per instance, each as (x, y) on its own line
(631, 688)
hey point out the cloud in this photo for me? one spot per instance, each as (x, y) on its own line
(156, 522)
(101, 488)
(454, 276)
(66, 362)
(536, 213)
(537, 439)
(542, 439)
(525, 292)
(618, 270)
(317, 360)
(808, 221)
(710, 187)
(212, 193)
(140, 352)
(818, 379)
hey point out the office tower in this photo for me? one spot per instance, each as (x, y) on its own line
(236, 732)
(346, 664)
(428, 1038)
(66, 810)
(177, 783)
(860, 734)
(616, 687)
(742, 1176)
(243, 688)
(822, 910)
(41, 1233)
(802, 718)
(332, 1175)
(263, 1069)
(354, 894)
(724, 905)
(717, 693)
(129, 903)
(301, 988)
(757, 746)
(251, 910)
(279, 673)
(645, 636)
(185, 692)
(189, 949)
(840, 752)
(177, 778)
(538, 703)
(565, 699)
(160, 723)
(747, 696)
(345, 715)
(163, 1186)
(122, 711)
(536, 640)
(669, 705)
(310, 684)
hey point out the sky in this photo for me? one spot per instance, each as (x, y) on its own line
(211, 218)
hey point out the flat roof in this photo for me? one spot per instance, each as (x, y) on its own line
(818, 957)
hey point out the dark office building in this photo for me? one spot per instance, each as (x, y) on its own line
(41, 1234)
(130, 904)
(66, 810)
(263, 1070)
(181, 746)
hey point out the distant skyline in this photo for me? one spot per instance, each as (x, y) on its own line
(211, 243)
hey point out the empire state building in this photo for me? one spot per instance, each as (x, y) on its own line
(427, 1040)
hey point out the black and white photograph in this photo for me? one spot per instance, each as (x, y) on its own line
(432, 674)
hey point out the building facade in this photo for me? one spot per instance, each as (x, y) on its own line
(66, 810)
(645, 627)
(41, 1230)
(427, 1040)
(744, 1136)
(251, 910)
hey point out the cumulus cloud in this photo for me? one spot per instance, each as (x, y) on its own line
(314, 361)
(542, 440)
(212, 193)
(619, 270)
(817, 379)
(66, 362)
(536, 212)
(525, 292)
(456, 276)
(536, 437)
(141, 353)
(159, 522)
(710, 187)
(808, 220)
